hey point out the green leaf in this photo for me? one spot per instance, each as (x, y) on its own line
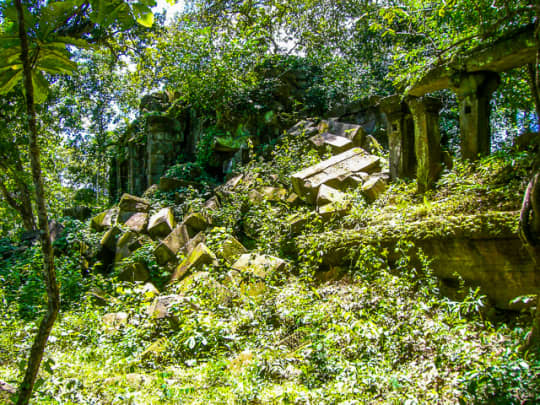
(8, 79)
(55, 65)
(146, 20)
(78, 42)
(41, 87)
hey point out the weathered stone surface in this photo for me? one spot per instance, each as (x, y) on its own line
(115, 320)
(427, 140)
(199, 257)
(400, 130)
(131, 203)
(134, 272)
(126, 245)
(474, 95)
(230, 249)
(196, 222)
(203, 280)
(109, 238)
(329, 195)
(293, 200)
(167, 184)
(261, 266)
(161, 223)
(148, 291)
(274, 194)
(335, 143)
(212, 204)
(333, 209)
(80, 212)
(355, 133)
(193, 243)
(485, 250)
(333, 172)
(226, 189)
(161, 306)
(169, 247)
(103, 220)
(513, 50)
(137, 222)
(374, 187)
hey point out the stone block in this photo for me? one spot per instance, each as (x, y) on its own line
(131, 203)
(161, 223)
(333, 172)
(374, 187)
(168, 248)
(134, 272)
(196, 222)
(103, 220)
(137, 222)
(262, 266)
(199, 257)
(230, 249)
(329, 195)
(109, 238)
(335, 143)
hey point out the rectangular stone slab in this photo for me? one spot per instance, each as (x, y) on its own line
(306, 182)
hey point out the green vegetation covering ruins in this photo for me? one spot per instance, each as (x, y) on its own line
(270, 202)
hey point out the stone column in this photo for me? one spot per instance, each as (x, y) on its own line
(427, 139)
(400, 129)
(474, 93)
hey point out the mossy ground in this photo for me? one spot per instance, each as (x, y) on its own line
(380, 334)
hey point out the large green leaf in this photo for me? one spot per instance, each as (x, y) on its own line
(41, 87)
(8, 79)
(146, 20)
(54, 65)
(78, 42)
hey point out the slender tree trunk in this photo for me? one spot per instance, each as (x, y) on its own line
(53, 293)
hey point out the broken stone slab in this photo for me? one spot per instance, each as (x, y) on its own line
(212, 204)
(333, 210)
(192, 243)
(131, 204)
(333, 172)
(335, 143)
(267, 193)
(137, 222)
(148, 291)
(203, 280)
(161, 223)
(293, 200)
(196, 222)
(329, 195)
(228, 188)
(103, 220)
(134, 272)
(110, 237)
(126, 245)
(262, 266)
(115, 320)
(298, 221)
(374, 187)
(230, 249)
(355, 133)
(162, 305)
(167, 184)
(169, 247)
(199, 257)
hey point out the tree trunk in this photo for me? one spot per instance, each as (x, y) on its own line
(53, 293)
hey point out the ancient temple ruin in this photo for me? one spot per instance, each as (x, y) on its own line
(413, 118)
